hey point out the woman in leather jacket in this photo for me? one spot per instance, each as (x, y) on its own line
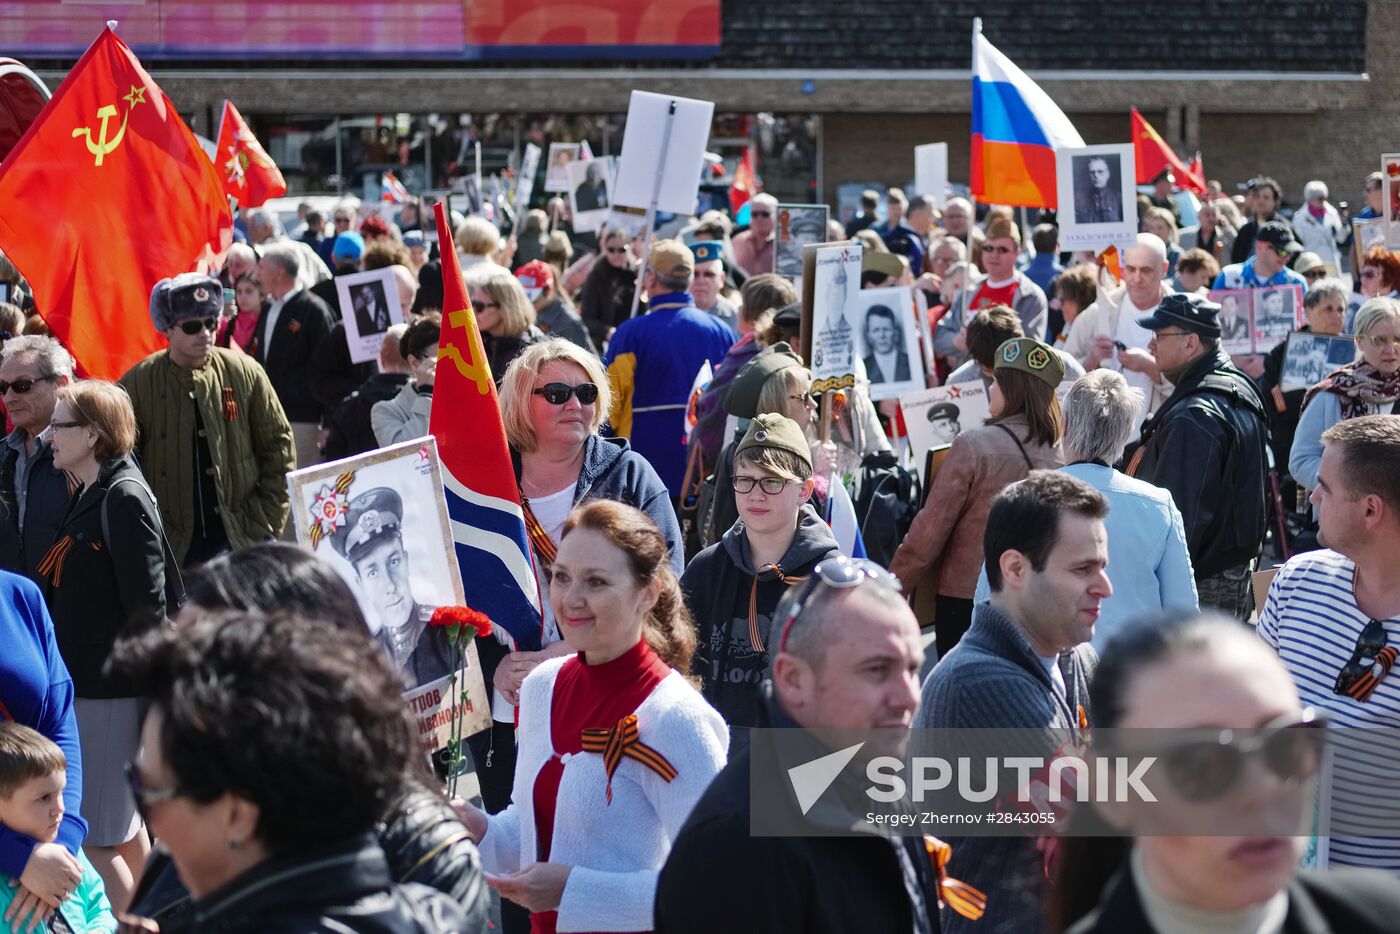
(420, 835)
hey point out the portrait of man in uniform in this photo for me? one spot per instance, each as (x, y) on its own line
(1098, 198)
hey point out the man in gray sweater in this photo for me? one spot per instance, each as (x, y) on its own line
(1024, 665)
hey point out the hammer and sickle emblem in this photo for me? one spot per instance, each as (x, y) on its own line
(477, 371)
(102, 146)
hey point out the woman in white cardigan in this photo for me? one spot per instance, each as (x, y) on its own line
(616, 745)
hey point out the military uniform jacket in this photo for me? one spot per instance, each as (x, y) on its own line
(250, 443)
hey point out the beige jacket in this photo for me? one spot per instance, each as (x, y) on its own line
(981, 463)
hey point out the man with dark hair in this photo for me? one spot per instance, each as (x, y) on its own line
(895, 205)
(1334, 617)
(844, 655)
(1025, 663)
(1097, 202)
(1206, 445)
(1266, 195)
(1045, 265)
(885, 359)
(869, 204)
(907, 238)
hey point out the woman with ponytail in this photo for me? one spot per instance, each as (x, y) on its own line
(616, 745)
(1236, 753)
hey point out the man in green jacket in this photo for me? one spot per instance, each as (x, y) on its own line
(213, 440)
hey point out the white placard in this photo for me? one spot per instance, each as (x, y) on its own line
(525, 181)
(797, 226)
(931, 172)
(1098, 204)
(369, 306)
(835, 299)
(641, 152)
(935, 417)
(888, 341)
(589, 197)
(556, 173)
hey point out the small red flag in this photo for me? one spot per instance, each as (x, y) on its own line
(1153, 155)
(250, 175)
(107, 193)
(744, 185)
(1197, 169)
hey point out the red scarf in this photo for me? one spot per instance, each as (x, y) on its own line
(1359, 387)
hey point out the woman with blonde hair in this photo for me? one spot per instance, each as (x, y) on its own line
(616, 744)
(554, 398)
(478, 242)
(105, 578)
(1022, 435)
(504, 315)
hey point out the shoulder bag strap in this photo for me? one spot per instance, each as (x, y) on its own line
(174, 582)
(1019, 446)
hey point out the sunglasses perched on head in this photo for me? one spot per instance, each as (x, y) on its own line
(560, 393)
(839, 573)
(193, 326)
(1205, 770)
(21, 386)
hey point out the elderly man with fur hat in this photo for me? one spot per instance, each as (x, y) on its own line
(213, 440)
(1002, 285)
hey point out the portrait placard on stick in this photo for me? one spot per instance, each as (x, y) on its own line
(556, 174)
(381, 521)
(589, 198)
(525, 181)
(888, 341)
(369, 306)
(798, 225)
(935, 417)
(1097, 201)
(931, 172)
(657, 145)
(1236, 319)
(836, 298)
(1278, 311)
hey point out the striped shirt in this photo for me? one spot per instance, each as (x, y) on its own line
(1312, 620)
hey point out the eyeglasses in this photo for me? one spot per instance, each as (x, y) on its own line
(1358, 677)
(770, 485)
(1381, 341)
(1161, 334)
(1315, 274)
(804, 399)
(998, 249)
(482, 306)
(22, 386)
(1370, 273)
(343, 220)
(194, 326)
(839, 573)
(615, 250)
(1205, 770)
(65, 424)
(144, 797)
(559, 393)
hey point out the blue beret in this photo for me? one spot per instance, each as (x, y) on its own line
(706, 250)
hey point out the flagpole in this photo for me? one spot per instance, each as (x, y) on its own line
(972, 195)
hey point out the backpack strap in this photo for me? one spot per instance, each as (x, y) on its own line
(174, 582)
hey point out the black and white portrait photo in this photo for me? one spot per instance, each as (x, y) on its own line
(1311, 357)
(797, 226)
(1236, 319)
(1275, 315)
(936, 417)
(1098, 199)
(371, 307)
(370, 304)
(589, 194)
(888, 342)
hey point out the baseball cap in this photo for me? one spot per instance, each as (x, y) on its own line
(1276, 234)
(348, 245)
(671, 258)
(535, 276)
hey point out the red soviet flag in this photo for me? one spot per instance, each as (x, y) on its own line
(250, 175)
(1153, 155)
(107, 193)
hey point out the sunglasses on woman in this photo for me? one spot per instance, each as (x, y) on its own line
(560, 393)
(193, 326)
(1205, 770)
(839, 573)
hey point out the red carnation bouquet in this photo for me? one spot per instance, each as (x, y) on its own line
(462, 623)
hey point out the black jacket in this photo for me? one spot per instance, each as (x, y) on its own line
(717, 585)
(721, 877)
(350, 431)
(422, 840)
(334, 376)
(1206, 445)
(1283, 424)
(343, 888)
(99, 590)
(301, 326)
(47, 501)
(500, 351)
(1354, 901)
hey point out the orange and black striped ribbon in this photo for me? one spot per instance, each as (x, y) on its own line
(52, 564)
(959, 896)
(342, 486)
(539, 539)
(230, 405)
(1363, 687)
(621, 741)
(755, 638)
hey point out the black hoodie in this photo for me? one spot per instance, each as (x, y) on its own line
(720, 586)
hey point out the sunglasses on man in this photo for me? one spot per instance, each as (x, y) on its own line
(193, 326)
(22, 386)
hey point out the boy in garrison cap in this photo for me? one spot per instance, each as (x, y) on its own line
(733, 587)
(709, 281)
(371, 540)
(212, 439)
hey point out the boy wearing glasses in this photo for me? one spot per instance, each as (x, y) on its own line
(33, 772)
(733, 587)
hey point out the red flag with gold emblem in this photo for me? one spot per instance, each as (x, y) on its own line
(250, 175)
(107, 193)
(1153, 155)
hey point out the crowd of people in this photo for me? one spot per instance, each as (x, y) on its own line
(199, 730)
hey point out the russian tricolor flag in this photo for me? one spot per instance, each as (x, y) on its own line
(1016, 129)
